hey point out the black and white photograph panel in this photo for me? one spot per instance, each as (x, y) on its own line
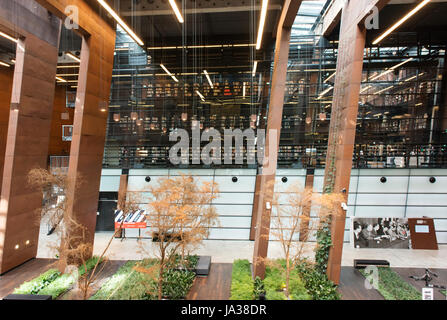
(391, 233)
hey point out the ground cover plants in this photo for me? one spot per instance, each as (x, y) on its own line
(392, 287)
(53, 282)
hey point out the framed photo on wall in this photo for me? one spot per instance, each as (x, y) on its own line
(386, 233)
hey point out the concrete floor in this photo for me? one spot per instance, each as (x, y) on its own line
(226, 251)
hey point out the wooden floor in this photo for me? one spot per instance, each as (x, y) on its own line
(352, 286)
(216, 286)
(25, 272)
(405, 274)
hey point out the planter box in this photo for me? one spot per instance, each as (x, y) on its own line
(27, 297)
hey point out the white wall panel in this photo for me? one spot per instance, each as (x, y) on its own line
(432, 212)
(234, 198)
(427, 200)
(382, 199)
(440, 224)
(109, 183)
(235, 222)
(292, 182)
(379, 211)
(243, 184)
(234, 210)
(229, 234)
(423, 185)
(441, 237)
(394, 184)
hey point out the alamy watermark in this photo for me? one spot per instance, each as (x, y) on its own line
(211, 153)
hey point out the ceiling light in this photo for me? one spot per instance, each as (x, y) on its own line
(364, 89)
(330, 77)
(13, 61)
(324, 92)
(4, 64)
(200, 95)
(243, 90)
(7, 36)
(176, 11)
(380, 91)
(121, 22)
(262, 23)
(169, 73)
(255, 66)
(209, 79)
(61, 79)
(72, 56)
(390, 69)
(401, 21)
(68, 67)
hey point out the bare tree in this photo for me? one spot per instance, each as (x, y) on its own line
(73, 248)
(180, 216)
(292, 216)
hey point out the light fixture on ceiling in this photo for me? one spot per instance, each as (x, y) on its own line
(4, 64)
(61, 79)
(121, 22)
(330, 77)
(244, 88)
(13, 61)
(72, 56)
(255, 66)
(383, 90)
(169, 73)
(7, 36)
(208, 78)
(390, 69)
(364, 89)
(324, 92)
(401, 21)
(200, 95)
(262, 23)
(177, 12)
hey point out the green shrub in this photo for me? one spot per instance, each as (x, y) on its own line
(63, 283)
(52, 282)
(392, 287)
(275, 282)
(177, 283)
(444, 292)
(318, 286)
(324, 243)
(242, 283)
(59, 286)
(37, 284)
(259, 288)
(128, 284)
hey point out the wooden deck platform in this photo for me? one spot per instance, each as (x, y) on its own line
(216, 286)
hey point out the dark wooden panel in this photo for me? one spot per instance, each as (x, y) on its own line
(352, 286)
(216, 286)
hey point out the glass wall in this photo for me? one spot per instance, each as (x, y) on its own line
(401, 120)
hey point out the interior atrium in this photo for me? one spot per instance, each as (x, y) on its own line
(223, 150)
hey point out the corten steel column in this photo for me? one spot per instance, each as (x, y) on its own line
(344, 118)
(6, 78)
(304, 225)
(122, 194)
(274, 121)
(28, 128)
(89, 129)
(91, 110)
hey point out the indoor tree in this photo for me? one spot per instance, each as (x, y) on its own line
(180, 216)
